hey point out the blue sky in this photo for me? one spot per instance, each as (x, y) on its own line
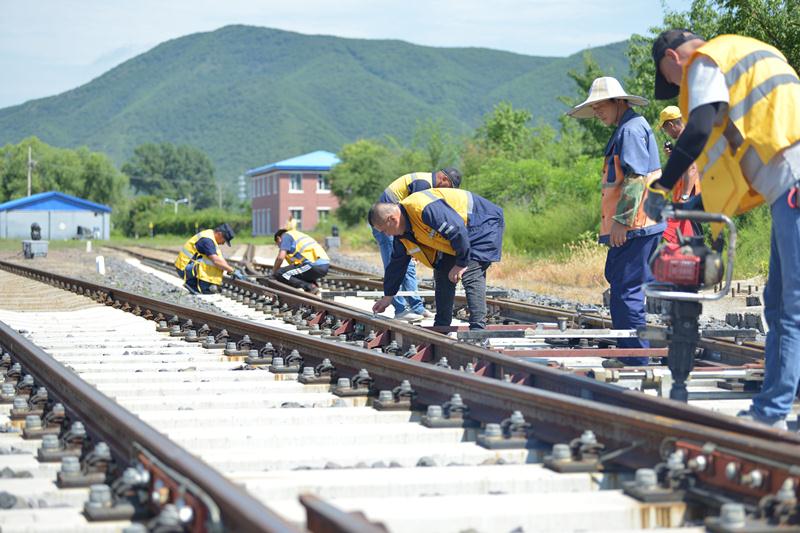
(50, 46)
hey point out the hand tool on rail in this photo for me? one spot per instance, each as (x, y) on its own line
(682, 270)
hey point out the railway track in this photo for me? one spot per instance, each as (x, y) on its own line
(201, 400)
(721, 363)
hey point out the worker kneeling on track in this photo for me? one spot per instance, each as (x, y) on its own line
(457, 233)
(307, 260)
(200, 262)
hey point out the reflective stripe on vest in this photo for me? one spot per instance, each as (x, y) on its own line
(431, 239)
(761, 120)
(205, 269)
(305, 249)
(398, 189)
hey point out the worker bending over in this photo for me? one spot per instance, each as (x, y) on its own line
(411, 307)
(740, 98)
(200, 262)
(457, 233)
(307, 260)
(688, 186)
(631, 163)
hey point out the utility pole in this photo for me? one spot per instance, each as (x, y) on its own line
(30, 168)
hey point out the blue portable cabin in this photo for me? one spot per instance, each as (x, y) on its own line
(58, 214)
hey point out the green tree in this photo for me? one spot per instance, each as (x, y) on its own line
(505, 132)
(365, 169)
(166, 170)
(80, 172)
(776, 22)
(435, 143)
(594, 134)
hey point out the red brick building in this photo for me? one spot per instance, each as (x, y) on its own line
(297, 187)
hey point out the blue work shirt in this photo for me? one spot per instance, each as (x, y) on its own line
(635, 144)
(206, 246)
(481, 239)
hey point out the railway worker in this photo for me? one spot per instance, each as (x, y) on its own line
(740, 98)
(688, 186)
(631, 163)
(457, 233)
(200, 262)
(411, 307)
(307, 260)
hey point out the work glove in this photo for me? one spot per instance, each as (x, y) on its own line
(238, 274)
(655, 203)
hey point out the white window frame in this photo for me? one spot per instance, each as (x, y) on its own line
(292, 178)
(269, 221)
(323, 177)
(326, 210)
(298, 219)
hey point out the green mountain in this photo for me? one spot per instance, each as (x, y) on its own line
(248, 96)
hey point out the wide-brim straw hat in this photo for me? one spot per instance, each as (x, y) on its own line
(605, 88)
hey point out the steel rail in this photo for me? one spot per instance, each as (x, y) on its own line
(728, 352)
(123, 431)
(488, 363)
(620, 416)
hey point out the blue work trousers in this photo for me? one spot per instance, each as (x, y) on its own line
(400, 303)
(782, 311)
(627, 270)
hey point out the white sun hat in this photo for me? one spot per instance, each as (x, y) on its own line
(605, 88)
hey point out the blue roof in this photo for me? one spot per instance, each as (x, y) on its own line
(52, 201)
(315, 161)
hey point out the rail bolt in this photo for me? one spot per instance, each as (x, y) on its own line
(435, 411)
(277, 362)
(731, 470)
(7, 392)
(561, 452)
(308, 372)
(33, 422)
(646, 479)
(100, 496)
(493, 431)
(386, 396)
(70, 465)
(50, 442)
(20, 403)
(732, 515)
(470, 368)
(443, 363)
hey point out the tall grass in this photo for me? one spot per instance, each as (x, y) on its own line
(752, 249)
(547, 232)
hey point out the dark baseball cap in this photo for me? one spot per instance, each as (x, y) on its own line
(668, 40)
(453, 175)
(227, 232)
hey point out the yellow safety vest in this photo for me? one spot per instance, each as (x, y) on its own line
(762, 120)
(429, 241)
(398, 189)
(204, 269)
(305, 248)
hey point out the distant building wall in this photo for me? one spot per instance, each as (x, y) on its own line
(275, 195)
(56, 225)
